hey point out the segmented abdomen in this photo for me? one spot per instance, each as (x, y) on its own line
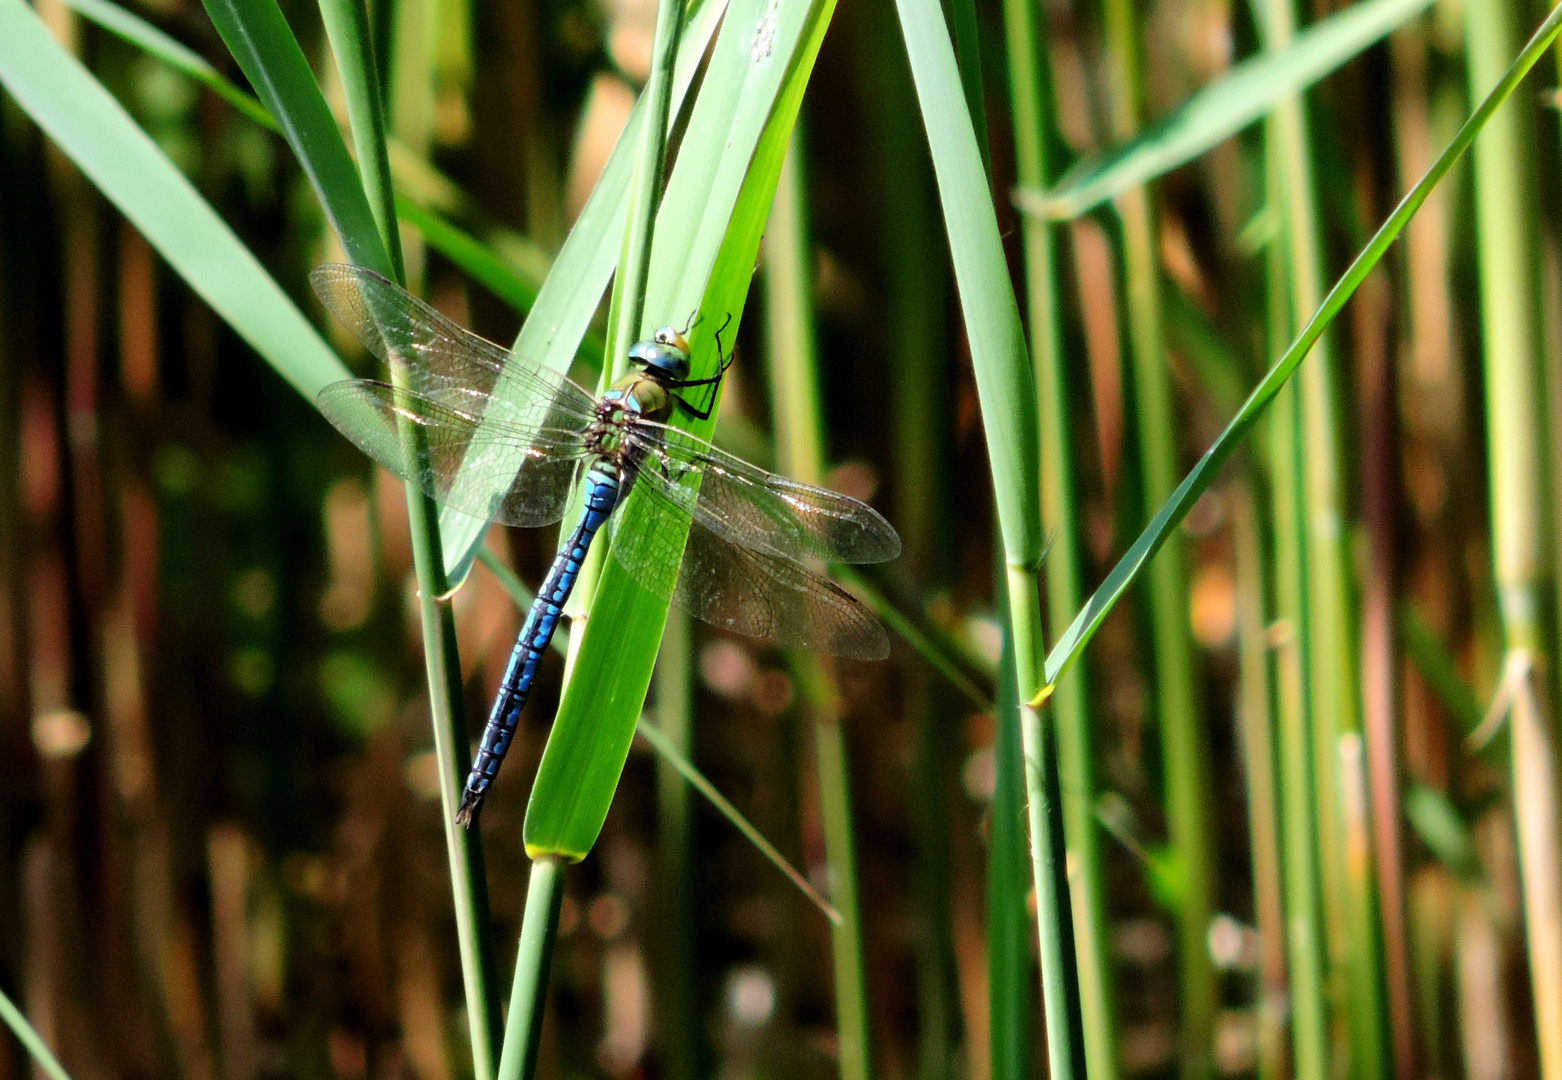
(602, 490)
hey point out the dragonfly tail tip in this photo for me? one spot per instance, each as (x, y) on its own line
(468, 809)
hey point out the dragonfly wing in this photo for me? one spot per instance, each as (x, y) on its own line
(758, 509)
(429, 352)
(738, 588)
(510, 472)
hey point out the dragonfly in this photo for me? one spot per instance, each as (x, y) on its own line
(496, 436)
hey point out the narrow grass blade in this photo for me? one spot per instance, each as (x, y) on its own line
(1172, 664)
(260, 39)
(28, 1036)
(646, 192)
(1222, 108)
(992, 317)
(1007, 394)
(136, 30)
(1127, 570)
(676, 968)
(484, 263)
(932, 652)
(675, 955)
(1306, 933)
(1257, 717)
(686, 769)
(1332, 657)
(96, 133)
(481, 263)
(347, 27)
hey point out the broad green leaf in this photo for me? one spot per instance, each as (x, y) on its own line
(1222, 108)
(96, 133)
(570, 296)
(707, 238)
(1089, 619)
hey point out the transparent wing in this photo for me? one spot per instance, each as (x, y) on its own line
(746, 505)
(503, 470)
(750, 591)
(430, 353)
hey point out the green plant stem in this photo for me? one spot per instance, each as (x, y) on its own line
(28, 1036)
(1010, 998)
(347, 28)
(529, 991)
(1006, 391)
(676, 1005)
(680, 764)
(1257, 717)
(851, 997)
(1333, 660)
(1185, 750)
(645, 193)
(1522, 534)
(1300, 871)
(1029, 85)
(463, 846)
(800, 453)
(347, 23)
(916, 325)
(1059, 979)
(1219, 109)
(531, 975)
(1305, 937)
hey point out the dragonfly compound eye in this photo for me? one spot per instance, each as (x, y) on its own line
(666, 354)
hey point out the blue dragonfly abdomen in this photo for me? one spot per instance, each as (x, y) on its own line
(603, 488)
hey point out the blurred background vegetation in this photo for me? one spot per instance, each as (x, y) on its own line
(1291, 836)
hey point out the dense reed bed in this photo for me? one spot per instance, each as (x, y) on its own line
(1205, 377)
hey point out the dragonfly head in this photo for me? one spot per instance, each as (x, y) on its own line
(666, 355)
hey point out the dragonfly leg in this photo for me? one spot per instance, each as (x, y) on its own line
(725, 362)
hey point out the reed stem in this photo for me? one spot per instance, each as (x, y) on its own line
(347, 24)
(1177, 707)
(800, 453)
(1521, 510)
(1034, 135)
(529, 990)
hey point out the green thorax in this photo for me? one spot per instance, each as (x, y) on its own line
(643, 394)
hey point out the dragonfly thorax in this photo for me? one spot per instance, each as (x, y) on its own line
(636, 396)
